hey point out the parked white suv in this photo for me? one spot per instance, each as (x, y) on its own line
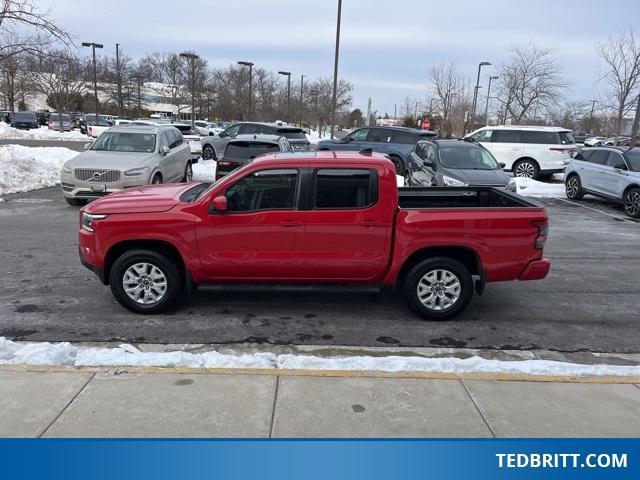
(528, 151)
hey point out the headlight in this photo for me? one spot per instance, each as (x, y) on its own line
(452, 182)
(87, 220)
(135, 172)
(66, 170)
(513, 186)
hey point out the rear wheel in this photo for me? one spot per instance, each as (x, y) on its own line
(438, 288)
(573, 187)
(397, 162)
(76, 202)
(208, 152)
(145, 281)
(632, 202)
(188, 173)
(527, 169)
(157, 179)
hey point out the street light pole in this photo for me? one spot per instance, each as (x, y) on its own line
(95, 71)
(250, 65)
(301, 89)
(486, 107)
(288, 75)
(335, 70)
(475, 93)
(192, 57)
(593, 106)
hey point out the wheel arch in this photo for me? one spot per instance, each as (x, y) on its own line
(525, 158)
(467, 256)
(629, 187)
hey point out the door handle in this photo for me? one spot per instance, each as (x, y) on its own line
(291, 224)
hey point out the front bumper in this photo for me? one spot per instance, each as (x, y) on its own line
(536, 270)
(74, 188)
(97, 270)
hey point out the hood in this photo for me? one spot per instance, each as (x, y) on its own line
(109, 160)
(477, 177)
(147, 199)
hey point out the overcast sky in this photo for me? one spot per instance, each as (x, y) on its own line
(386, 45)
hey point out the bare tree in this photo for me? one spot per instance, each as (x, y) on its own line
(320, 97)
(446, 82)
(168, 75)
(530, 78)
(572, 114)
(621, 56)
(26, 28)
(14, 81)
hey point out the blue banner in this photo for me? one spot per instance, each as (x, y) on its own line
(319, 459)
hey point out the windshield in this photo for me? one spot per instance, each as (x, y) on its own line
(125, 142)
(633, 158)
(293, 134)
(467, 158)
(249, 150)
(25, 117)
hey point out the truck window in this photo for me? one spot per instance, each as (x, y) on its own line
(264, 190)
(340, 188)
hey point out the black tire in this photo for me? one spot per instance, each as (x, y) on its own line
(157, 179)
(632, 202)
(208, 152)
(573, 188)
(526, 168)
(188, 172)
(397, 162)
(75, 202)
(433, 265)
(168, 269)
(408, 179)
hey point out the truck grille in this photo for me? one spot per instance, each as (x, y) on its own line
(97, 175)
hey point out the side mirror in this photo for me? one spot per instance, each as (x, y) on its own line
(222, 134)
(219, 204)
(87, 146)
(502, 164)
(164, 150)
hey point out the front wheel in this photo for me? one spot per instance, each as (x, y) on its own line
(188, 173)
(632, 203)
(438, 288)
(573, 188)
(157, 179)
(208, 152)
(145, 281)
(398, 164)
(526, 169)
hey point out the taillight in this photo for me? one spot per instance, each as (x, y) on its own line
(561, 150)
(89, 130)
(543, 231)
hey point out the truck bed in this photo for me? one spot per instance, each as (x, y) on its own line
(460, 197)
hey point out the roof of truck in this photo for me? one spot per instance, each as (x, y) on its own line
(325, 156)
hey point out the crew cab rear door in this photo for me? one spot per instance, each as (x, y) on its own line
(348, 227)
(261, 235)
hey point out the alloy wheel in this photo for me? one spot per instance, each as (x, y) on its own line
(439, 289)
(525, 169)
(632, 203)
(188, 174)
(572, 187)
(144, 283)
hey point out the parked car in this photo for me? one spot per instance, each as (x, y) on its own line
(396, 142)
(96, 126)
(623, 141)
(43, 117)
(244, 148)
(612, 173)
(56, 118)
(598, 141)
(332, 218)
(580, 137)
(207, 128)
(455, 163)
(528, 151)
(25, 121)
(5, 116)
(213, 146)
(126, 156)
(192, 137)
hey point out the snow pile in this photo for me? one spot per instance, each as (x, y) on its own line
(533, 188)
(42, 133)
(28, 168)
(314, 136)
(129, 356)
(204, 171)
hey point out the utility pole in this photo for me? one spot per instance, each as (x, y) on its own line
(593, 106)
(486, 107)
(369, 111)
(301, 89)
(95, 71)
(634, 129)
(431, 106)
(119, 80)
(335, 70)
(288, 75)
(192, 57)
(250, 65)
(395, 112)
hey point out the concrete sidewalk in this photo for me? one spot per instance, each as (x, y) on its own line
(124, 404)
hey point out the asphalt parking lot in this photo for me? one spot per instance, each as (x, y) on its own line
(590, 301)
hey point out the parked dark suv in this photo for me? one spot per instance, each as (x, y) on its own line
(213, 146)
(397, 142)
(25, 121)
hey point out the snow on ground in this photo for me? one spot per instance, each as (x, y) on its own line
(204, 171)
(314, 136)
(42, 133)
(28, 168)
(45, 353)
(533, 188)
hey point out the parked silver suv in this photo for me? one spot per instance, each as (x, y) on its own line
(608, 172)
(126, 156)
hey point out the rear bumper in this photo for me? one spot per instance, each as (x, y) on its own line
(536, 270)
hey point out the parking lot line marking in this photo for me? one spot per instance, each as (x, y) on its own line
(596, 210)
(496, 376)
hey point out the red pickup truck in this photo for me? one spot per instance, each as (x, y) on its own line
(312, 218)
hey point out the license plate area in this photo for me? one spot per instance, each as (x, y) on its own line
(99, 188)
